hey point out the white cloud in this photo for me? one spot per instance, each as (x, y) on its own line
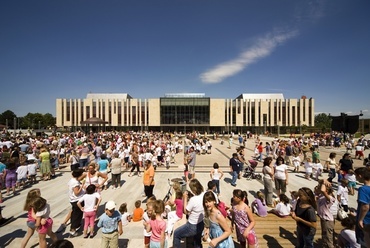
(263, 48)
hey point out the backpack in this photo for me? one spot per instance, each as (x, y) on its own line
(222, 208)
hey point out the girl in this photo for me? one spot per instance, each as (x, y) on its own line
(308, 169)
(157, 226)
(31, 221)
(216, 175)
(174, 216)
(41, 210)
(146, 219)
(283, 208)
(259, 205)
(91, 201)
(305, 216)
(351, 177)
(103, 164)
(10, 176)
(243, 219)
(125, 216)
(296, 162)
(219, 231)
(347, 236)
(342, 194)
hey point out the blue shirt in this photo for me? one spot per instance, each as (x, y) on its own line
(109, 223)
(2, 167)
(103, 165)
(364, 198)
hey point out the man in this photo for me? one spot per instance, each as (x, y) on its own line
(191, 162)
(234, 164)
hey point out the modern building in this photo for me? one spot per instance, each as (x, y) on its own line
(184, 112)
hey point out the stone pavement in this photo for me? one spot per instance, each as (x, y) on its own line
(55, 191)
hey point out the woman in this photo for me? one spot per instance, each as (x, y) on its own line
(103, 164)
(92, 176)
(84, 156)
(148, 179)
(115, 167)
(75, 192)
(219, 231)
(305, 216)
(193, 207)
(241, 158)
(280, 176)
(331, 166)
(45, 166)
(73, 159)
(268, 176)
(345, 164)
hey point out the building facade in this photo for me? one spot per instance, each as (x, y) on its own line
(188, 112)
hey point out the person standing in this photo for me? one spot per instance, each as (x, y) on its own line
(216, 175)
(234, 168)
(148, 179)
(268, 175)
(280, 176)
(191, 162)
(111, 226)
(115, 166)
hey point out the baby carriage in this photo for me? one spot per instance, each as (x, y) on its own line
(250, 173)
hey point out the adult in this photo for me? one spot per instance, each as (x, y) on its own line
(92, 177)
(268, 175)
(115, 167)
(135, 164)
(45, 166)
(193, 207)
(345, 164)
(280, 176)
(84, 156)
(191, 159)
(73, 159)
(234, 164)
(331, 166)
(241, 158)
(148, 179)
(103, 164)
(75, 192)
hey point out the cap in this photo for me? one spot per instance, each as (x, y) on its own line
(110, 205)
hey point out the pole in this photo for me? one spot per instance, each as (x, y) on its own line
(15, 124)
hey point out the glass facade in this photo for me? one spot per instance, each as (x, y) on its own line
(182, 110)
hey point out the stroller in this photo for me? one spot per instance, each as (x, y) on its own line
(249, 172)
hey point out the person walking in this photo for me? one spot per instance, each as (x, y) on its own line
(234, 164)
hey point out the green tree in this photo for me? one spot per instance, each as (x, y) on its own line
(323, 122)
(8, 116)
(49, 120)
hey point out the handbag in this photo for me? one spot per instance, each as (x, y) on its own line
(341, 214)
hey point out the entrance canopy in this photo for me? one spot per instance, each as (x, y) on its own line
(93, 120)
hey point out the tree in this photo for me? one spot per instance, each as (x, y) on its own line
(10, 116)
(323, 122)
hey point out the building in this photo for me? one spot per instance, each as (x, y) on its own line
(184, 112)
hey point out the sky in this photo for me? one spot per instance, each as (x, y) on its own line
(223, 48)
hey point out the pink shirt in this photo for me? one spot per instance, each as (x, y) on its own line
(179, 207)
(158, 226)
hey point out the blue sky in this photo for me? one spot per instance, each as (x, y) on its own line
(65, 49)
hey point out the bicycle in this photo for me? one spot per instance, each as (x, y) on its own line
(169, 194)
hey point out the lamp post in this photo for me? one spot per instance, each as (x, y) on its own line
(15, 124)
(39, 125)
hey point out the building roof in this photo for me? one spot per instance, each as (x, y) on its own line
(123, 96)
(278, 96)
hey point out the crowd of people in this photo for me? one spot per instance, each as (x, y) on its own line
(92, 156)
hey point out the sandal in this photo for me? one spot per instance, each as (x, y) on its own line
(86, 236)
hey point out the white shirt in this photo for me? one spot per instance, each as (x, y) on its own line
(343, 192)
(89, 201)
(280, 171)
(283, 209)
(31, 169)
(22, 172)
(195, 207)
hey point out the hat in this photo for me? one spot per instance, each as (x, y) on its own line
(110, 205)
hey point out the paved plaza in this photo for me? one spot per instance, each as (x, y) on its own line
(55, 191)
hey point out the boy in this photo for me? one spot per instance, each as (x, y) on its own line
(138, 212)
(22, 175)
(111, 225)
(32, 171)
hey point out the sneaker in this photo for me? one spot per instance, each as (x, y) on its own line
(118, 187)
(143, 195)
(4, 221)
(73, 234)
(61, 228)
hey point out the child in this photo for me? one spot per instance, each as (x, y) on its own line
(317, 169)
(283, 208)
(126, 217)
(146, 219)
(41, 211)
(296, 162)
(308, 169)
(111, 226)
(91, 201)
(174, 216)
(157, 226)
(347, 236)
(325, 200)
(219, 232)
(31, 221)
(138, 212)
(342, 194)
(293, 201)
(186, 167)
(243, 219)
(351, 177)
(10, 176)
(21, 175)
(32, 171)
(259, 205)
(216, 175)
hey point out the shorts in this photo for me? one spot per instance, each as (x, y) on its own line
(359, 153)
(126, 159)
(280, 185)
(22, 180)
(352, 184)
(31, 224)
(252, 238)
(154, 244)
(146, 240)
(44, 228)
(192, 169)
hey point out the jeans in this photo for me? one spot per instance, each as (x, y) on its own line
(235, 176)
(217, 183)
(189, 230)
(83, 162)
(304, 240)
(76, 216)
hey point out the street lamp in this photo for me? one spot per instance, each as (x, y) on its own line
(15, 124)
(39, 125)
